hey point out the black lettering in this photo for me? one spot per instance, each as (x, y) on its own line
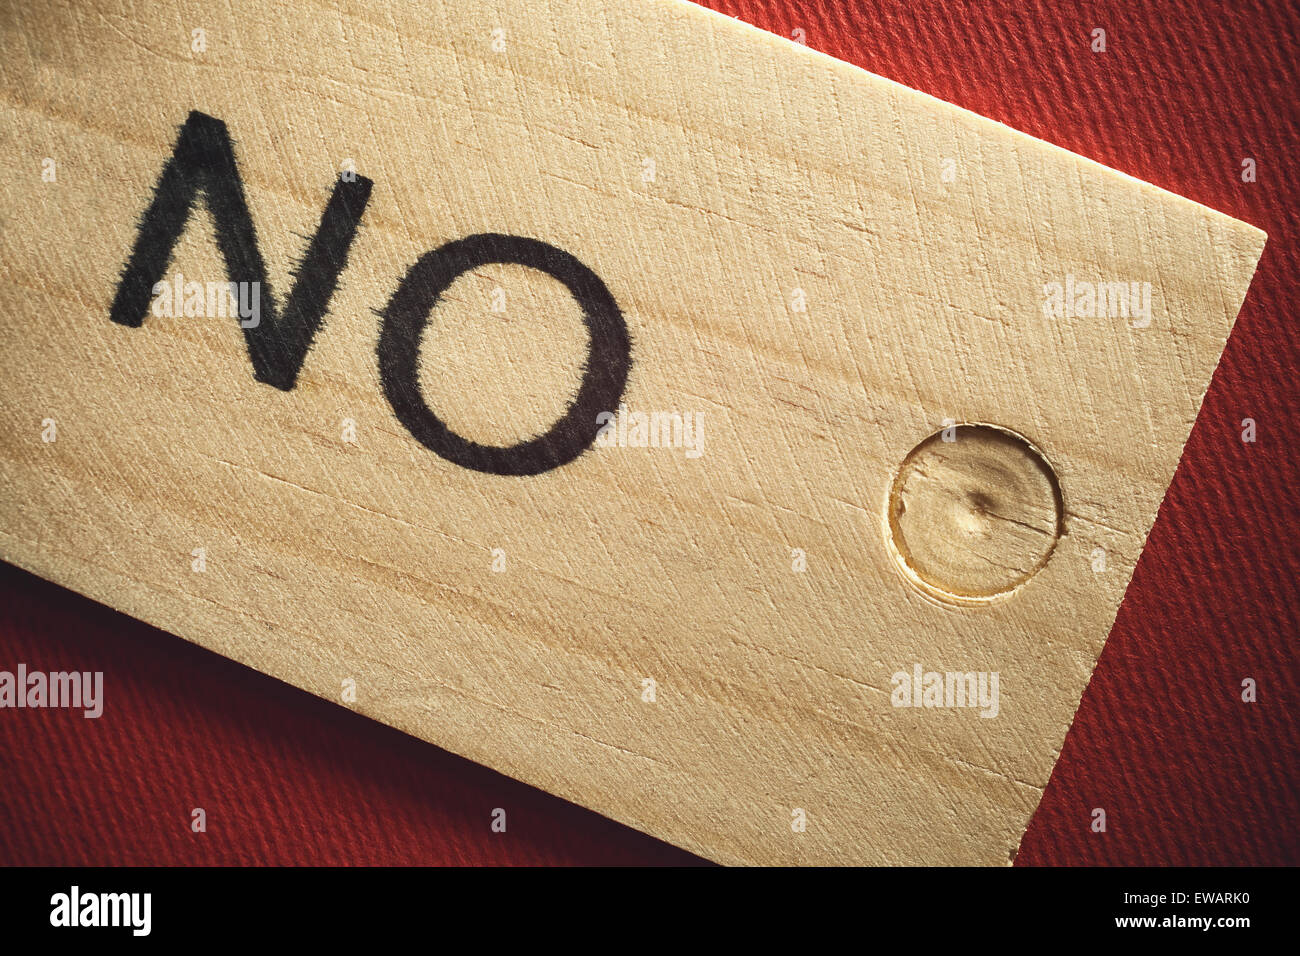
(204, 159)
(603, 379)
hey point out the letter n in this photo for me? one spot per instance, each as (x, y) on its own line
(204, 159)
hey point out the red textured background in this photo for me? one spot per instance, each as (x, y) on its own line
(1186, 772)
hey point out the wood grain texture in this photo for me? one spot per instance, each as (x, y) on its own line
(328, 560)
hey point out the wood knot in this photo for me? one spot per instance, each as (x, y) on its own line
(974, 512)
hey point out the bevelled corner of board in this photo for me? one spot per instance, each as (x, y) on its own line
(736, 443)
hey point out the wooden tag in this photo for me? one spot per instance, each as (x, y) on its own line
(669, 416)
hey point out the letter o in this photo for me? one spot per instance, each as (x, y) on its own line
(609, 355)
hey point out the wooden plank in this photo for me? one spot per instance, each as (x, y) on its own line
(908, 439)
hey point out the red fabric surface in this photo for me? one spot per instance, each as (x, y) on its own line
(1186, 772)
